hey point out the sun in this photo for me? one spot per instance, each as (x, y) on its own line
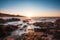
(29, 15)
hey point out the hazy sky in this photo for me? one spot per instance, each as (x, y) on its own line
(33, 7)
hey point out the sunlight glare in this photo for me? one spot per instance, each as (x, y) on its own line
(29, 15)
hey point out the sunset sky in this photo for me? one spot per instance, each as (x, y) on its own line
(31, 7)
